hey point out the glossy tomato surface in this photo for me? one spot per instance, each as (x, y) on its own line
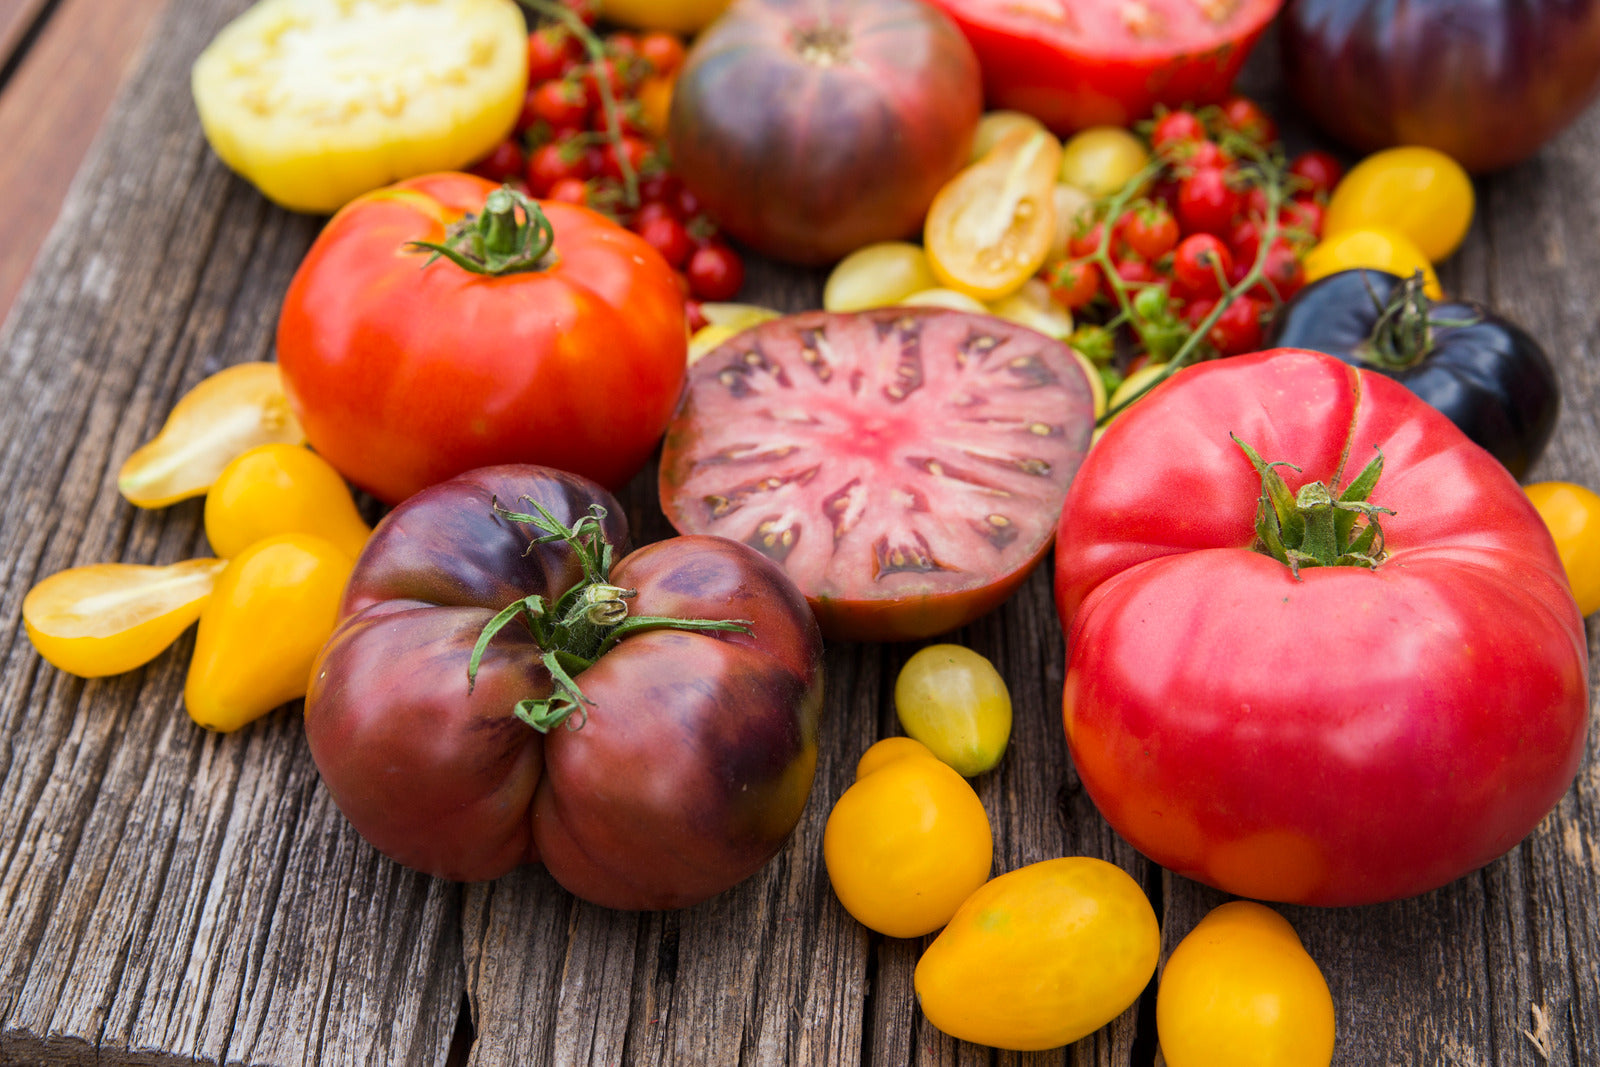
(406, 373)
(906, 466)
(1343, 737)
(810, 128)
(1484, 81)
(694, 758)
(1075, 65)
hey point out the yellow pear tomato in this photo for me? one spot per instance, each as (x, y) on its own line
(1102, 159)
(1419, 192)
(953, 700)
(274, 606)
(277, 489)
(1372, 247)
(317, 102)
(995, 125)
(1572, 514)
(990, 228)
(1241, 989)
(1041, 957)
(227, 414)
(677, 16)
(112, 617)
(907, 843)
(879, 275)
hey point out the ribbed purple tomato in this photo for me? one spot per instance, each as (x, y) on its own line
(810, 128)
(1484, 81)
(647, 731)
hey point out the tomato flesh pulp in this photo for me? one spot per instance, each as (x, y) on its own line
(906, 466)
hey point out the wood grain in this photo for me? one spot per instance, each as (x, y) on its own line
(171, 896)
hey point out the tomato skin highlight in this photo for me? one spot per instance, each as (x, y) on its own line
(406, 375)
(1316, 794)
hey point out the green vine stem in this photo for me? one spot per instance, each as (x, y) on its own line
(499, 240)
(1316, 527)
(583, 624)
(1403, 335)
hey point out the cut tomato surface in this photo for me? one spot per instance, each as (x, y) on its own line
(906, 466)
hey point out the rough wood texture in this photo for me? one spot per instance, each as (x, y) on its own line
(169, 896)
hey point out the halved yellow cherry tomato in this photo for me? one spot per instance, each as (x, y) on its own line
(1041, 956)
(318, 102)
(879, 275)
(1572, 514)
(274, 607)
(1375, 248)
(996, 125)
(1102, 159)
(277, 489)
(227, 414)
(1420, 192)
(1241, 989)
(989, 229)
(955, 702)
(908, 842)
(112, 617)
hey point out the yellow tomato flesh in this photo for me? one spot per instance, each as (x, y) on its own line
(953, 701)
(1041, 957)
(990, 228)
(1419, 192)
(317, 102)
(112, 617)
(1572, 514)
(1241, 989)
(227, 414)
(277, 489)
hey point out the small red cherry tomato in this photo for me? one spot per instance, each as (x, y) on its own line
(1207, 203)
(1199, 263)
(715, 272)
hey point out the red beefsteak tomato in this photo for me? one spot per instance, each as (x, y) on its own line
(647, 759)
(1319, 734)
(1078, 63)
(406, 368)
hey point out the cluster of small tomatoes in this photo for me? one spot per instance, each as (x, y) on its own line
(590, 133)
(1202, 227)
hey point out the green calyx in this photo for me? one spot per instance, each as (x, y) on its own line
(1318, 526)
(581, 625)
(510, 236)
(1403, 335)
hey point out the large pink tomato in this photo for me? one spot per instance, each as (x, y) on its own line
(1318, 697)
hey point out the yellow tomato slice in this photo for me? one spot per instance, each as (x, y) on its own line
(224, 416)
(319, 101)
(112, 617)
(990, 228)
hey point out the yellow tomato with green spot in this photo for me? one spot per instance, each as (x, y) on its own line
(954, 701)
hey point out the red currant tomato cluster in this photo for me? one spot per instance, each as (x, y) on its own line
(1195, 237)
(565, 147)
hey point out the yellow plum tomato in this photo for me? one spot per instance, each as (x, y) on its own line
(1102, 159)
(879, 275)
(1374, 248)
(953, 700)
(1419, 192)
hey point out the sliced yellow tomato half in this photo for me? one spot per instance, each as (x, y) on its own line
(218, 420)
(112, 617)
(990, 228)
(319, 101)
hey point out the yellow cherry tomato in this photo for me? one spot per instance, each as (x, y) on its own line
(112, 617)
(954, 701)
(1041, 956)
(224, 416)
(1032, 307)
(879, 275)
(276, 489)
(994, 126)
(317, 102)
(1420, 192)
(1102, 159)
(908, 842)
(1375, 248)
(989, 229)
(1572, 513)
(274, 607)
(677, 16)
(946, 298)
(1242, 990)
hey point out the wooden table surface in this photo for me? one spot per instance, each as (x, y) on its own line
(169, 895)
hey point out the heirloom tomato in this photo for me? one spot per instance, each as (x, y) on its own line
(444, 324)
(500, 692)
(1041, 956)
(1572, 512)
(1241, 989)
(1320, 646)
(905, 465)
(1074, 64)
(810, 128)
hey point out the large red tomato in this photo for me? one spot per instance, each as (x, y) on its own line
(1341, 736)
(1075, 64)
(406, 371)
(810, 128)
